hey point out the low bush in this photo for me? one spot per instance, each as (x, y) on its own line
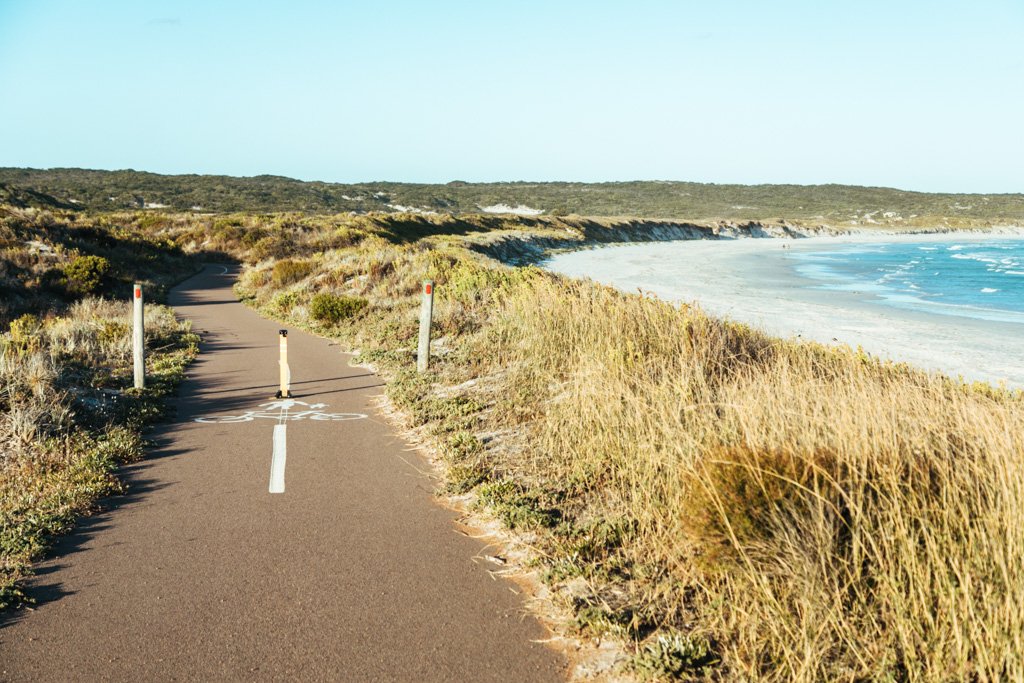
(283, 302)
(86, 274)
(272, 246)
(24, 329)
(331, 308)
(289, 271)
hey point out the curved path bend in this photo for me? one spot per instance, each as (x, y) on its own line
(353, 573)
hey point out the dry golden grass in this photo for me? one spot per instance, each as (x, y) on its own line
(838, 519)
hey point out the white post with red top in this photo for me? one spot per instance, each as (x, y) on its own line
(426, 314)
(138, 339)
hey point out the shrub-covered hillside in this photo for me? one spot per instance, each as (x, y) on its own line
(831, 204)
(51, 259)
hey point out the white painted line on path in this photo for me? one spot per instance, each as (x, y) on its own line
(277, 463)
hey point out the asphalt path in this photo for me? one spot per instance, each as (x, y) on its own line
(199, 572)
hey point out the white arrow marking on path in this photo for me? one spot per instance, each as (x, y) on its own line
(277, 463)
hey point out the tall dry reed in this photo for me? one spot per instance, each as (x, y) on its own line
(830, 517)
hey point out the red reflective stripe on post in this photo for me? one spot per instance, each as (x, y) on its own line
(138, 292)
(428, 288)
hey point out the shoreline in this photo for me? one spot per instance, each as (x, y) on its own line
(535, 247)
(755, 282)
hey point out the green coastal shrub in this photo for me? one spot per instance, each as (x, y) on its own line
(283, 302)
(24, 327)
(252, 237)
(275, 246)
(331, 308)
(288, 271)
(113, 334)
(24, 332)
(222, 224)
(343, 238)
(85, 274)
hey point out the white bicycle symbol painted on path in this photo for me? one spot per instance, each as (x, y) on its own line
(281, 411)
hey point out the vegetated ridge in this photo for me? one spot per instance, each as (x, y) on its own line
(838, 205)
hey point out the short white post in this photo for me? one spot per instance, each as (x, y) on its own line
(286, 375)
(426, 314)
(138, 339)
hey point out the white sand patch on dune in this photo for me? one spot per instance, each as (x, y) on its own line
(411, 209)
(37, 246)
(518, 210)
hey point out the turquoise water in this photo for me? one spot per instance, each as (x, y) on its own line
(975, 279)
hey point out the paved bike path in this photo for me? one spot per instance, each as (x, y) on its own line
(199, 573)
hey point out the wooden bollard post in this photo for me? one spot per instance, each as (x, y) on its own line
(426, 314)
(138, 338)
(286, 375)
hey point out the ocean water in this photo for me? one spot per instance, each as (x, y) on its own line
(975, 279)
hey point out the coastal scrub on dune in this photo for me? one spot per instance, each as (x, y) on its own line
(69, 419)
(724, 504)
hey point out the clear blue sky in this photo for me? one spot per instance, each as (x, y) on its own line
(923, 95)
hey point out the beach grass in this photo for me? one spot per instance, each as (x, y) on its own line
(823, 515)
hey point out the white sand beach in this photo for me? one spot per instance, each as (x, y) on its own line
(755, 281)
